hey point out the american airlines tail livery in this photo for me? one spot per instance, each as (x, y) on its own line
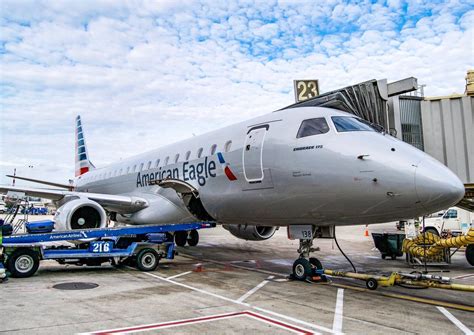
(297, 166)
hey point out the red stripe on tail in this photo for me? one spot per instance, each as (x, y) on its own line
(83, 170)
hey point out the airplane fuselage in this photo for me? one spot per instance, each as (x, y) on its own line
(265, 172)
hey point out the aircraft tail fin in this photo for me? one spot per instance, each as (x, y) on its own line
(83, 164)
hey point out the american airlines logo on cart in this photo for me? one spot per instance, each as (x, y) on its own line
(187, 172)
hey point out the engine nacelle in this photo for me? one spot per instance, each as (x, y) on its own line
(250, 233)
(80, 214)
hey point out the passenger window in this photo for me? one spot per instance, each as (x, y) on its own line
(135, 168)
(157, 162)
(227, 146)
(213, 149)
(128, 169)
(199, 152)
(187, 155)
(120, 172)
(312, 127)
(141, 167)
(149, 165)
(166, 160)
(176, 158)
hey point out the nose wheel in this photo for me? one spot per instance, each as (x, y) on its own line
(304, 268)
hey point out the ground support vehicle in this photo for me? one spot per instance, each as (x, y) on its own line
(142, 246)
(453, 222)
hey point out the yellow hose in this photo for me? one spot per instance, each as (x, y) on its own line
(437, 244)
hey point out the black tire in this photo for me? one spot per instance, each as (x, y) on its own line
(384, 256)
(302, 269)
(315, 263)
(23, 263)
(147, 260)
(193, 238)
(371, 284)
(180, 238)
(470, 254)
(432, 231)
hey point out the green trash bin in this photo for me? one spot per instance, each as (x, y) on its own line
(389, 244)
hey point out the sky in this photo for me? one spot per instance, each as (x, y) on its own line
(143, 74)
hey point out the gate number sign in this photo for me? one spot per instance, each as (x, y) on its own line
(305, 89)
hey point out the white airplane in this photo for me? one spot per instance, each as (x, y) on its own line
(312, 166)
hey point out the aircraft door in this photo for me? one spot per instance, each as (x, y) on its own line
(253, 153)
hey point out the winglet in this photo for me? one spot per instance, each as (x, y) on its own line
(83, 164)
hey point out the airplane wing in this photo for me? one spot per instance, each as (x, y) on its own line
(119, 203)
(67, 187)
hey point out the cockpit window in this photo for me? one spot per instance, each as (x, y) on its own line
(312, 127)
(348, 123)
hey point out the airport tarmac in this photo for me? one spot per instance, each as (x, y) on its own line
(226, 285)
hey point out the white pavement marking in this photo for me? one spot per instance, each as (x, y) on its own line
(456, 322)
(337, 323)
(464, 276)
(255, 289)
(307, 324)
(180, 274)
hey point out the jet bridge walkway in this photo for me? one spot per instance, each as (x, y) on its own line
(367, 100)
(142, 246)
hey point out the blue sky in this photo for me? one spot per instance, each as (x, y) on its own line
(146, 73)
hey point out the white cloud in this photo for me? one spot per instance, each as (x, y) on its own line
(146, 73)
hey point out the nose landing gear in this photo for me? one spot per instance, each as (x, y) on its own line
(305, 267)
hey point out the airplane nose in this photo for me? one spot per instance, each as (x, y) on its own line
(437, 187)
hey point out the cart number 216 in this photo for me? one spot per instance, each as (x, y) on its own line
(100, 247)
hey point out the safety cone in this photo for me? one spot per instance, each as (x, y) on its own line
(198, 268)
(366, 232)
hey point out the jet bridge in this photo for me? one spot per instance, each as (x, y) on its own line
(367, 100)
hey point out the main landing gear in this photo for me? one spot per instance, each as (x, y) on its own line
(182, 237)
(305, 266)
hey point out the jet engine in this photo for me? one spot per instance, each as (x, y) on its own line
(251, 233)
(80, 214)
